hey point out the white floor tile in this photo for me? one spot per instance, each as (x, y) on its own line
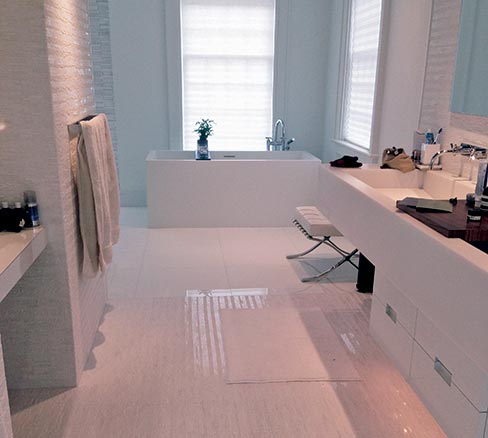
(184, 248)
(160, 281)
(270, 276)
(148, 377)
(255, 246)
(123, 280)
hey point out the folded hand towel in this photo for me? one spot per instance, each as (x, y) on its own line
(394, 158)
(346, 161)
(98, 194)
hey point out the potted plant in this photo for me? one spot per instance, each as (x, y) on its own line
(204, 130)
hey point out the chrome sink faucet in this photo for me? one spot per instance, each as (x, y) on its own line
(279, 144)
(464, 149)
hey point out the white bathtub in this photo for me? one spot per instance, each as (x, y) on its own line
(234, 189)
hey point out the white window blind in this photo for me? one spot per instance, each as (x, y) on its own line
(360, 71)
(228, 57)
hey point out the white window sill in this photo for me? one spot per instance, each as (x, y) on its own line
(364, 153)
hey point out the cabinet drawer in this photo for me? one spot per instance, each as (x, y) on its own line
(466, 375)
(388, 294)
(391, 336)
(452, 410)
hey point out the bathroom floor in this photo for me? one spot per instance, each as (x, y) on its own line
(156, 370)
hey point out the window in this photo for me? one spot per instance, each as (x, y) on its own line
(360, 72)
(228, 57)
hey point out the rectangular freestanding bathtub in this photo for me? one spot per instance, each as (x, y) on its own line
(234, 189)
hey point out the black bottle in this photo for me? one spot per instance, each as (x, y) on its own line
(484, 202)
(15, 219)
(4, 215)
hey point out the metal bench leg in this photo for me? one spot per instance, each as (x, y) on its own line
(322, 275)
(308, 251)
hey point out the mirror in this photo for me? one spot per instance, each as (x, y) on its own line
(470, 87)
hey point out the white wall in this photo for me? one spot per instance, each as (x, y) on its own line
(301, 61)
(404, 68)
(141, 96)
(402, 72)
(139, 72)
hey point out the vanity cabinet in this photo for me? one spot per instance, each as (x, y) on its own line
(392, 322)
(429, 300)
(451, 385)
(449, 406)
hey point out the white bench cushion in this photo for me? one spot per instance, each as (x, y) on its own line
(314, 222)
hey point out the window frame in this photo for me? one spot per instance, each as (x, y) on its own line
(373, 149)
(174, 68)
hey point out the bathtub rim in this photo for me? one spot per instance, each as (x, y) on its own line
(160, 155)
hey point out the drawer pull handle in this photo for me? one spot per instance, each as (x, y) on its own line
(391, 313)
(443, 371)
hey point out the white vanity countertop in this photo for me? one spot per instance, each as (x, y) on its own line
(445, 278)
(17, 253)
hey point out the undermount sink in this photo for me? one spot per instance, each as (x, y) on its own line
(420, 184)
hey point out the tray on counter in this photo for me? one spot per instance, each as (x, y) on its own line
(453, 224)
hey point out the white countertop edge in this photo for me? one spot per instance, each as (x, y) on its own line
(18, 261)
(458, 246)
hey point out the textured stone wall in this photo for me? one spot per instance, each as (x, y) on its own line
(73, 97)
(49, 319)
(35, 318)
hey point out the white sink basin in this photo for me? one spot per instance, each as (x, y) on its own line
(421, 184)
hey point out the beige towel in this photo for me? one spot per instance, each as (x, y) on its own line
(394, 158)
(98, 194)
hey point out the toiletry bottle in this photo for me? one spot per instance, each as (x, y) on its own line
(31, 209)
(3, 216)
(429, 137)
(16, 222)
(482, 182)
(6, 212)
(474, 215)
(484, 202)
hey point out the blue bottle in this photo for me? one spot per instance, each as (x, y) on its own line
(31, 209)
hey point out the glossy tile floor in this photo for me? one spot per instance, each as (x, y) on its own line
(157, 367)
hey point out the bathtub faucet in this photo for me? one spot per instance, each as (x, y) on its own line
(279, 144)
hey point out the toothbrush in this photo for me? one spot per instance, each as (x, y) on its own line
(437, 136)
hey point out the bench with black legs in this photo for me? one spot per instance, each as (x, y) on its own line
(315, 226)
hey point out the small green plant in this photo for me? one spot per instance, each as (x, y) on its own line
(204, 128)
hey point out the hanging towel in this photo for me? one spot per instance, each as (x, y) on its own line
(98, 194)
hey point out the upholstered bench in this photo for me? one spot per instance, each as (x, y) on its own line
(315, 226)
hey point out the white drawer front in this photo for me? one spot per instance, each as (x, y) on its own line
(387, 293)
(466, 375)
(452, 410)
(391, 336)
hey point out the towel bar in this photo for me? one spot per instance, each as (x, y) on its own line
(75, 128)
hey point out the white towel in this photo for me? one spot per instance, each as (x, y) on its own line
(98, 194)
